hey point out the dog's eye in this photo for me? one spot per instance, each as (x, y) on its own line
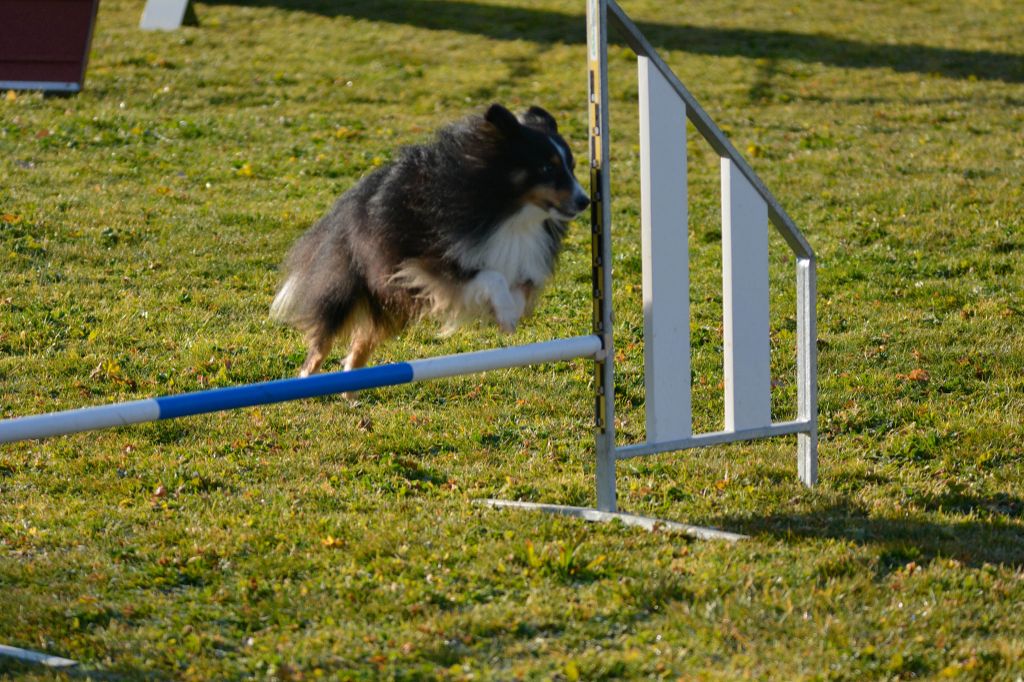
(547, 169)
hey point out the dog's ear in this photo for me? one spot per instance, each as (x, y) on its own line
(535, 117)
(502, 119)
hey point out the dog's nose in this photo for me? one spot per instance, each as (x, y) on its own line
(582, 201)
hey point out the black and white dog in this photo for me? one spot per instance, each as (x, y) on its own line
(466, 227)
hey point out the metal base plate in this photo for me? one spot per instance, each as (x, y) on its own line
(645, 522)
(35, 657)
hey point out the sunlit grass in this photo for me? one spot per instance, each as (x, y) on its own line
(142, 224)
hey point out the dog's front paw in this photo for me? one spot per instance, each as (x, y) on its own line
(507, 322)
(509, 314)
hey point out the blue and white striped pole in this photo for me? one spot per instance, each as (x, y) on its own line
(169, 407)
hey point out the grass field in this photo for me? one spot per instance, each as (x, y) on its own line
(142, 224)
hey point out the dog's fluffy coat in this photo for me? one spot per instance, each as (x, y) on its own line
(465, 227)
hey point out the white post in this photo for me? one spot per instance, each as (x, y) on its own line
(807, 370)
(745, 302)
(666, 263)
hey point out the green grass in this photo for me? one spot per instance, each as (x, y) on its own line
(143, 222)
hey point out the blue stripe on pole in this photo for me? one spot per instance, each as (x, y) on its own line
(283, 389)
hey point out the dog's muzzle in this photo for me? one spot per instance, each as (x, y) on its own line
(576, 204)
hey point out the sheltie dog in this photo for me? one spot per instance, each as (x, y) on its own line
(465, 227)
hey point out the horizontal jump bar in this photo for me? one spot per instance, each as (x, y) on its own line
(281, 390)
(716, 438)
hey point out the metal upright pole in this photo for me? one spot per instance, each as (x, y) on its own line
(601, 244)
(807, 369)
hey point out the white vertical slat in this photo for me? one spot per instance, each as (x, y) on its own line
(666, 277)
(166, 15)
(745, 302)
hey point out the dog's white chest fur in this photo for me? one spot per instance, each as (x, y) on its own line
(520, 248)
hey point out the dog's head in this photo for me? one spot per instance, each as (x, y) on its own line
(541, 163)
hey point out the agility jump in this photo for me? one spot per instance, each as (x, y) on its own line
(747, 208)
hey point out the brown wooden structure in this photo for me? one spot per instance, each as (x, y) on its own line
(44, 44)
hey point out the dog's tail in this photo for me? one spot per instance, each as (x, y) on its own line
(283, 308)
(320, 291)
(315, 275)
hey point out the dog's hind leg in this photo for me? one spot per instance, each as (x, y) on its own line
(364, 331)
(319, 340)
(360, 350)
(366, 336)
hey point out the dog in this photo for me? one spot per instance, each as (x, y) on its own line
(465, 227)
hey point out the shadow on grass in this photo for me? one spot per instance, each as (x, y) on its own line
(993, 535)
(548, 26)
